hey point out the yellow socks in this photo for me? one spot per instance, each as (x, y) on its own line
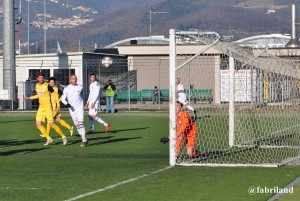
(65, 124)
(44, 132)
(48, 128)
(58, 130)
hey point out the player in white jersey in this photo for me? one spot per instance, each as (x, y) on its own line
(182, 97)
(73, 98)
(93, 103)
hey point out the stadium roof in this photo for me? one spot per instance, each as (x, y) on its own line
(262, 41)
(140, 40)
(259, 41)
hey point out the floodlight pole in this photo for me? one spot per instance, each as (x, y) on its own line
(45, 31)
(150, 24)
(9, 67)
(28, 28)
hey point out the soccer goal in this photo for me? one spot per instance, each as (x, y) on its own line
(247, 102)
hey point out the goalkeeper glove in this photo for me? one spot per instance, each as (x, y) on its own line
(164, 140)
(70, 106)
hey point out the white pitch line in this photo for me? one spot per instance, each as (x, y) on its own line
(117, 184)
(289, 186)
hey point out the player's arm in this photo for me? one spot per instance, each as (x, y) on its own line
(31, 97)
(56, 99)
(106, 86)
(88, 100)
(64, 97)
(180, 88)
(183, 126)
(87, 105)
(60, 93)
(94, 94)
(64, 100)
(113, 87)
(50, 89)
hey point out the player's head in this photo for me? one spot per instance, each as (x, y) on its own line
(52, 81)
(92, 77)
(73, 79)
(41, 77)
(179, 106)
(177, 80)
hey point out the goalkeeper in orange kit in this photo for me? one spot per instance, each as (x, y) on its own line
(186, 131)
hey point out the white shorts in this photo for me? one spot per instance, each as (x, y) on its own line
(77, 114)
(182, 98)
(95, 110)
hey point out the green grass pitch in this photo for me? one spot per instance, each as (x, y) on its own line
(118, 166)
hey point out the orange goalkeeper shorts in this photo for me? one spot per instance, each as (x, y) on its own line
(190, 141)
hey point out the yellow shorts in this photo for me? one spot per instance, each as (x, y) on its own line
(44, 112)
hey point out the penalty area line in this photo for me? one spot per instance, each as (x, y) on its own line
(118, 184)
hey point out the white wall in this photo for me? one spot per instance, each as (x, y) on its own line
(42, 61)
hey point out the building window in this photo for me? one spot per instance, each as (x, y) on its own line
(63, 75)
(33, 73)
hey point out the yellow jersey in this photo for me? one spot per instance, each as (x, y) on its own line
(43, 94)
(55, 98)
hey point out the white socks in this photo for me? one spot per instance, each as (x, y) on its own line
(101, 121)
(81, 130)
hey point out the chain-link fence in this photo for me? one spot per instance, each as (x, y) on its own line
(135, 80)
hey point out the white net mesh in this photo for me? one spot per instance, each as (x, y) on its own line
(266, 103)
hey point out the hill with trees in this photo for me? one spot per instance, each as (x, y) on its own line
(117, 19)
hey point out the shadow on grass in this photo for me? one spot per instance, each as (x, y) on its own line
(9, 143)
(129, 129)
(16, 121)
(24, 151)
(96, 140)
(114, 141)
(90, 139)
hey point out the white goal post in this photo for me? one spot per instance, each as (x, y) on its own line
(247, 102)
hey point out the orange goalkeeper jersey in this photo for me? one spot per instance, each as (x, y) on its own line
(185, 125)
(43, 94)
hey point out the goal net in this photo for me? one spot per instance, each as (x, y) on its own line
(246, 101)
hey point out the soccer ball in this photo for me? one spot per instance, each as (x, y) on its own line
(107, 62)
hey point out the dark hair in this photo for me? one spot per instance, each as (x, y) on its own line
(40, 74)
(180, 103)
(52, 78)
(93, 74)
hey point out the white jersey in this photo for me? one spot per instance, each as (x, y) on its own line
(181, 95)
(73, 94)
(180, 87)
(94, 95)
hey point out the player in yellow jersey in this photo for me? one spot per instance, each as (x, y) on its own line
(43, 91)
(55, 101)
